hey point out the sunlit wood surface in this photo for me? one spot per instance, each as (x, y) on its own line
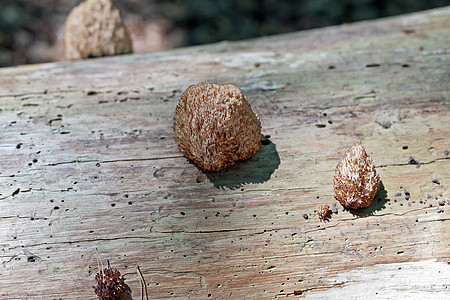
(88, 162)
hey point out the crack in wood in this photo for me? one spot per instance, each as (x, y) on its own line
(409, 164)
(318, 288)
(112, 161)
(269, 230)
(38, 93)
(283, 189)
(203, 231)
(127, 237)
(15, 193)
(438, 220)
(24, 217)
(395, 214)
(81, 241)
(322, 228)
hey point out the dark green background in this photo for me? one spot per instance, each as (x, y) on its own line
(25, 23)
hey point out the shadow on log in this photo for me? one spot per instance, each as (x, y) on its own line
(379, 203)
(257, 169)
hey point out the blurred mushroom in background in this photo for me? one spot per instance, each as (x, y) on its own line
(95, 28)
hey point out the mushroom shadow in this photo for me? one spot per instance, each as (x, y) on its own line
(257, 169)
(379, 203)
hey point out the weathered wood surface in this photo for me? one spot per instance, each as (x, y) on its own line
(88, 162)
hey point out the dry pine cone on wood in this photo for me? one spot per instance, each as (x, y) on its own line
(110, 285)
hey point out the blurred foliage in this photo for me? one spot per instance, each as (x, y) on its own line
(210, 21)
(29, 28)
(21, 23)
(12, 17)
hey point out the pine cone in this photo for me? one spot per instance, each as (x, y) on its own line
(355, 181)
(110, 285)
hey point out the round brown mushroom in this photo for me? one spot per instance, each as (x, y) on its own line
(95, 28)
(356, 181)
(215, 126)
(323, 211)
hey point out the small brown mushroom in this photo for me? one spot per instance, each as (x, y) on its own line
(215, 126)
(95, 28)
(323, 212)
(356, 181)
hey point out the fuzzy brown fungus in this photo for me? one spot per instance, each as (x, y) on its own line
(215, 126)
(110, 285)
(356, 181)
(323, 212)
(95, 28)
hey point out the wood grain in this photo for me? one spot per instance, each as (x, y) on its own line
(89, 162)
